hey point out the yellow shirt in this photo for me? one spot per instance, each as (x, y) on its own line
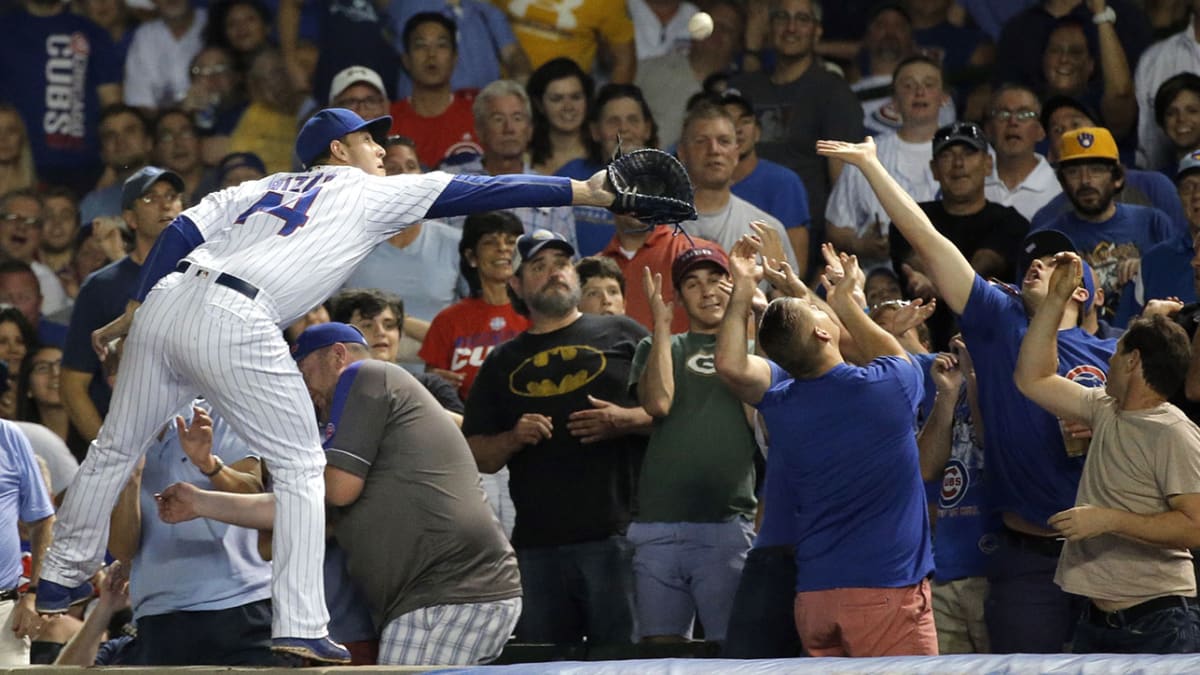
(269, 134)
(550, 28)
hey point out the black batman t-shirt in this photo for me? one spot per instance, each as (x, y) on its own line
(564, 491)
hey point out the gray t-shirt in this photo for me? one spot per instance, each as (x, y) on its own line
(793, 116)
(421, 532)
(1136, 461)
(727, 225)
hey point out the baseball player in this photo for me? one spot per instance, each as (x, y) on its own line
(220, 283)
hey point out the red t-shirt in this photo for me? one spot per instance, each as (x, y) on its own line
(462, 335)
(659, 251)
(439, 137)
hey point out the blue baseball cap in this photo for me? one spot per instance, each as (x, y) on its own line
(1188, 164)
(322, 335)
(529, 245)
(140, 183)
(1052, 242)
(330, 124)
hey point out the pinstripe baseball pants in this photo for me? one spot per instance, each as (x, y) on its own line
(195, 337)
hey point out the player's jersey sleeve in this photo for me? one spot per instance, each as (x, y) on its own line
(391, 203)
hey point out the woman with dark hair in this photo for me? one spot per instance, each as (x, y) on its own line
(17, 338)
(463, 334)
(241, 26)
(620, 112)
(39, 400)
(1177, 111)
(561, 94)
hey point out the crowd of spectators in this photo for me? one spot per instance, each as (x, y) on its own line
(595, 367)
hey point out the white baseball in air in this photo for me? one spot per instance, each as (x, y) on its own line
(700, 26)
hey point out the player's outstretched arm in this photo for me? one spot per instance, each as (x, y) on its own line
(1037, 364)
(950, 271)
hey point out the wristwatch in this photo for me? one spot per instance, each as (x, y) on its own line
(218, 465)
(1109, 15)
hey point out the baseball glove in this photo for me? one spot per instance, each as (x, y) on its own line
(651, 186)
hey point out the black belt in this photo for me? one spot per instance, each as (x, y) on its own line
(227, 280)
(10, 594)
(1047, 546)
(1130, 615)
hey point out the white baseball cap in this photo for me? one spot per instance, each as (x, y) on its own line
(354, 75)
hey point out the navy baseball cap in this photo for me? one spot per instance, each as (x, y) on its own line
(140, 183)
(330, 124)
(529, 245)
(1052, 242)
(322, 335)
(239, 160)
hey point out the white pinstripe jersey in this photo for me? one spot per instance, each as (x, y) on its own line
(298, 236)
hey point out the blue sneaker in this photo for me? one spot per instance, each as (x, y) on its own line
(55, 598)
(321, 649)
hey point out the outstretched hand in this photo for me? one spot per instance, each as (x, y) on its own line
(177, 503)
(1067, 276)
(912, 315)
(743, 259)
(858, 154)
(661, 312)
(196, 438)
(846, 288)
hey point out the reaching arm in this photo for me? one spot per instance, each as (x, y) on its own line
(125, 523)
(947, 267)
(1118, 106)
(81, 649)
(466, 194)
(747, 376)
(287, 25)
(1177, 528)
(872, 340)
(656, 386)
(934, 442)
(184, 501)
(1037, 365)
(80, 408)
(515, 62)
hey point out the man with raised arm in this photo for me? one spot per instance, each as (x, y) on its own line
(862, 528)
(1031, 477)
(1138, 509)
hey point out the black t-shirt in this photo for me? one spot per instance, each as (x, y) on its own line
(564, 491)
(995, 227)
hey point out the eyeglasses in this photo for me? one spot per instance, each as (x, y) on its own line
(27, 221)
(47, 367)
(352, 103)
(890, 304)
(169, 197)
(1023, 115)
(207, 71)
(802, 18)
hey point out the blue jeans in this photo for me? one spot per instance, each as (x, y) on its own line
(1174, 630)
(687, 569)
(578, 590)
(762, 623)
(1025, 611)
(238, 636)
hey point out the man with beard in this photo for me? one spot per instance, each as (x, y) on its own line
(538, 406)
(1109, 236)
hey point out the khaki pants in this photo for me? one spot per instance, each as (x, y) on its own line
(958, 609)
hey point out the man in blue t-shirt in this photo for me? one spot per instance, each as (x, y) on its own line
(59, 69)
(1030, 475)
(853, 490)
(1111, 237)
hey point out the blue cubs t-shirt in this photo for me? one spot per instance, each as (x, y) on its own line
(855, 489)
(50, 68)
(1029, 472)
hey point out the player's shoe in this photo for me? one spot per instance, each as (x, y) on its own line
(55, 598)
(322, 649)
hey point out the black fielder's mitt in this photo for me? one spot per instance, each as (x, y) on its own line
(651, 186)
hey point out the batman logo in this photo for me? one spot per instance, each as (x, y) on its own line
(557, 371)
